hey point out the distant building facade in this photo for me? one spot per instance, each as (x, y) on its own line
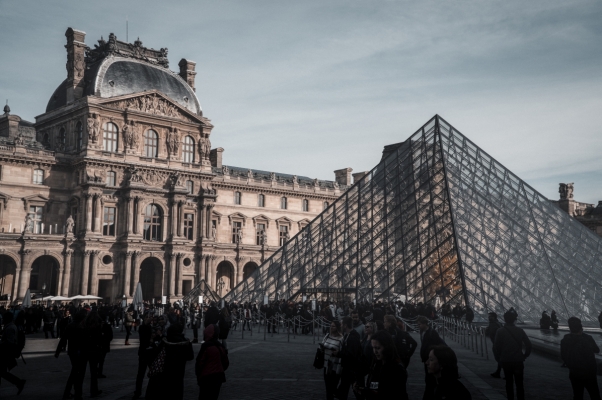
(589, 215)
(117, 183)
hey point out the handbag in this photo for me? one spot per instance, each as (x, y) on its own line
(157, 365)
(319, 359)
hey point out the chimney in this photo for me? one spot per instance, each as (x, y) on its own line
(343, 176)
(358, 176)
(215, 156)
(187, 71)
(76, 64)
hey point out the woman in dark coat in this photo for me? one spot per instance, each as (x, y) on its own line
(443, 364)
(388, 377)
(169, 382)
(210, 365)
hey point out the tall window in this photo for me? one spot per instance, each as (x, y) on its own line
(151, 141)
(261, 200)
(259, 234)
(108, 224)
(283, 234)
(283, 203)
(111, 178)
(190, 187)
(188, 226)
(153, 226)
(326, 205)
(305, 205)
(62, 139)
(38, 176)
(237, 197)
(188, 150)
(236, 227)
(79, 132)
(109, 137)
(36, 214)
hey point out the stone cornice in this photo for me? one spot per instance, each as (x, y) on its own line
(276, 190)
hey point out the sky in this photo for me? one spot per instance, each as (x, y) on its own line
(309, 87)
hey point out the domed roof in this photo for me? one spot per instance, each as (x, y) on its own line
(117, 68)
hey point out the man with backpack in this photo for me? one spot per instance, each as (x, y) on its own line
(10, 349)
(508, 350)
(404, 343)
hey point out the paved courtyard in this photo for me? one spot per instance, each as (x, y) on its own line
(267, 369)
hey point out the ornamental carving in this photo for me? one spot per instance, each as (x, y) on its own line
(114, 47)
(173, 142)
(93, 124)
(152, 178)
(566, 191)
(150, 104)
(204, 148)
(96, 175)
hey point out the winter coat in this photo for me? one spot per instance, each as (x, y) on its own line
(508, 344)
(429, 338)
(169, 384)
(386, 382)
(577, 351)
(212, 360)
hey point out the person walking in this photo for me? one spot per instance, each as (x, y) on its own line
(175, 350)
(331, 345)
(128, 322)
(72, 338)
(92, 347)
(443, 365)
(508, 350)
(145, 334)
(211, 364)
(48, 318)
(388, 377)
(404, 343)
(428, 338)
(490, 332)
(578, 350)
(106, 337)
(9, 351)
(195, 322)
(350, 354)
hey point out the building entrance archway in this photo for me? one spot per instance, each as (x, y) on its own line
(224, 278)
(249, 268)
(151, 271)
(7, 277)
(44, 278)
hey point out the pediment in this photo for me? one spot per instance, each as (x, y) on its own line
(261, 218)
(238, 216)
(284, 221)
(35, 198)
(154, 103)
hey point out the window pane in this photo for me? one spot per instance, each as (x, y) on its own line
(108, 226)
(109, 137)
(188, 226)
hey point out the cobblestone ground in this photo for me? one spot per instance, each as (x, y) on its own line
(267, 369)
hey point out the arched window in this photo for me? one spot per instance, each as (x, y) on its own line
(237, 198)
(111, 178)
(261, 200)
(283, 203)
(326, 205)
(109, 137)
(79, 132)
(153, 223)
(151, 141)
(188, 150)
(305, 205)
(190, 187)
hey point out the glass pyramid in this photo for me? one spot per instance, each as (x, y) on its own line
(439, 220)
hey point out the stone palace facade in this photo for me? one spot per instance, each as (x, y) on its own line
(117, 183)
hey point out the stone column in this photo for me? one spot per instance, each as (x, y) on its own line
(136, 267)
(172, 276)
(126, 273)
(66, 273)
(130, 215)
(179, 274)
(136, 213)
(173, 218)
(88, 211)
(208, 222)
(97, 213)
(202, 262)
(94, 274)
(22, 276)
(200, 231)
(211, 273)
(239, 271)
(85, 273)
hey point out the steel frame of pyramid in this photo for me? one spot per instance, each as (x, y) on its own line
(439, 220)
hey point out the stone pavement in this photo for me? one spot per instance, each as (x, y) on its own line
(270, 369)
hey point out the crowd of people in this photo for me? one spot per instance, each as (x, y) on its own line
(366, 349)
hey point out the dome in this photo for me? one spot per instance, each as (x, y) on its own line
(118, 76)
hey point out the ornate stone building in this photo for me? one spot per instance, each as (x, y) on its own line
(589, 215)
(116, 183)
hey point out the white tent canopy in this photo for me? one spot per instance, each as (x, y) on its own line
(27, 299)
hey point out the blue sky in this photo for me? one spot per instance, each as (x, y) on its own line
(313, 86)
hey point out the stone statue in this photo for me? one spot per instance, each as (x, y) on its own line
(19, 139)
(204, 148)
(225, 170)
(93, 128)
(135, 135)
(335, 185)
(28, 224)
(264, 238)
(316, 182)
(70, 224)
(566, 191)
(295, 181)
(173, 179)
(127, 135)
(272, 176)
(250, 174)
(213, 231)
(239, 236)
(173, 142)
